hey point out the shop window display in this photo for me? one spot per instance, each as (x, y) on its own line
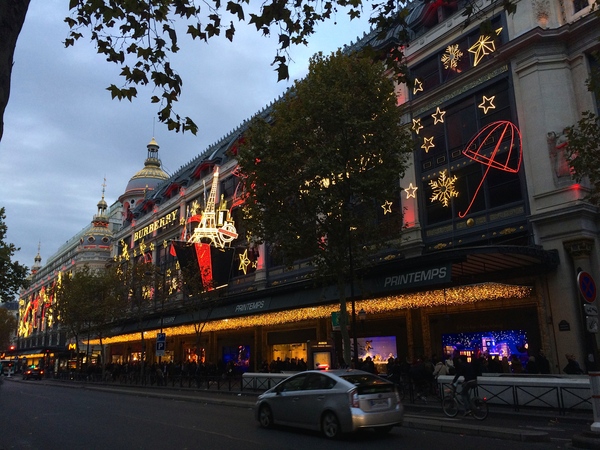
(510, 346)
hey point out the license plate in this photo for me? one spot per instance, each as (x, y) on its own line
(379, 403)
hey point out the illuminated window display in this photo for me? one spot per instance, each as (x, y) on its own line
(505, 343)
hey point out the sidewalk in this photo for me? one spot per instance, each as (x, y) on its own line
(502, 423)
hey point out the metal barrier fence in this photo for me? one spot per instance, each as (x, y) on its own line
(559, 393)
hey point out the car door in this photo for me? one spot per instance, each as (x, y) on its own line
(312, 400)
(285, 402)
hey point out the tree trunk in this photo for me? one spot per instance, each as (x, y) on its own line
(12, 17)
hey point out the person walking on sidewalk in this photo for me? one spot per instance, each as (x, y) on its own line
(469, 372)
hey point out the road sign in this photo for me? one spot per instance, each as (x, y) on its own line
(592, 324)
(161, 337)
(587, 286)
(590, 310)
(160, 348)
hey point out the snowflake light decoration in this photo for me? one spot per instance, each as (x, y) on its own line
(452, 56)
(443, 188)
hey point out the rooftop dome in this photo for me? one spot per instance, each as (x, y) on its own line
(150, 176)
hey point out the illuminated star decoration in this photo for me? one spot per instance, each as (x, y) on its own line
(427, 144)
(451, 57)
(411, 191)
(443, 188)
(244, 261)
(487, 104)
(387, 207)
(418, 86)
(438, 116)
(484, 46)
(416, 126)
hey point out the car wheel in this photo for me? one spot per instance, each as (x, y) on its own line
(330, 425)
(383, 430)
(265, 416)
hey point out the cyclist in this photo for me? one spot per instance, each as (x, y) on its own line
(469, 372)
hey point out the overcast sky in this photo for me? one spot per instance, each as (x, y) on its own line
(63, 134)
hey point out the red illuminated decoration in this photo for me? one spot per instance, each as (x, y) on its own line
(503, 135)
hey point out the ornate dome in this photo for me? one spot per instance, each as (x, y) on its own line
(146, 179)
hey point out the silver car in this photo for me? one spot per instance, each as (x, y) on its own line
(333, 402)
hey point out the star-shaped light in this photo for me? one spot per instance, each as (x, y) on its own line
(438, 116)
(484, 46)
(451, 57)
(443, 188)
(418, 86)
(152, 247)
(165, 243)
(498, 31)
(416, 126)
(411, 191)
(387, 207)
(244, 261)
(487, 103)
(427, 144)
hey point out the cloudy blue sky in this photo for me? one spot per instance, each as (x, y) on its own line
(63, 134)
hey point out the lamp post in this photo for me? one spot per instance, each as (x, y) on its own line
(354, 337)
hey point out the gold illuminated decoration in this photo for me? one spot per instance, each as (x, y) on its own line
(487, 103)
(452, 56)
(427, 144)
(244, 261)
(411, 191)
(216, 225)
(387, 207)
(418, 86)
(498, 31)
(125, 251)
(416, 126)
(438, 116)
(484, 46)
(462, 295)
(152, 246)
(443, 188)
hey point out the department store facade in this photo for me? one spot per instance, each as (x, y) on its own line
(496, 230)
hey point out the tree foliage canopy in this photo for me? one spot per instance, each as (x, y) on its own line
(319, 169)
(8, 326)
(88, 300)
(13, 275)
(583, 150)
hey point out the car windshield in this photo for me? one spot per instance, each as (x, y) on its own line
(369, 384)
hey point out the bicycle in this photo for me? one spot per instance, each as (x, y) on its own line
(453, 400)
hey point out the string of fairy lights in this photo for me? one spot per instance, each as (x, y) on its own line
(461, 295)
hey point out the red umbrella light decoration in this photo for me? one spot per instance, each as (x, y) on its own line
(501, 135)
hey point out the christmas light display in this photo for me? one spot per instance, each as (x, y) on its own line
(487, 104)
(416, 126)
(244, 261)
(443, 188)
(438, 116)
(387, 207)
(427, 144)
(462, 295)
(484, 46)
(452, 56)
(418, 86)
(411, 191)
(502, 135)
